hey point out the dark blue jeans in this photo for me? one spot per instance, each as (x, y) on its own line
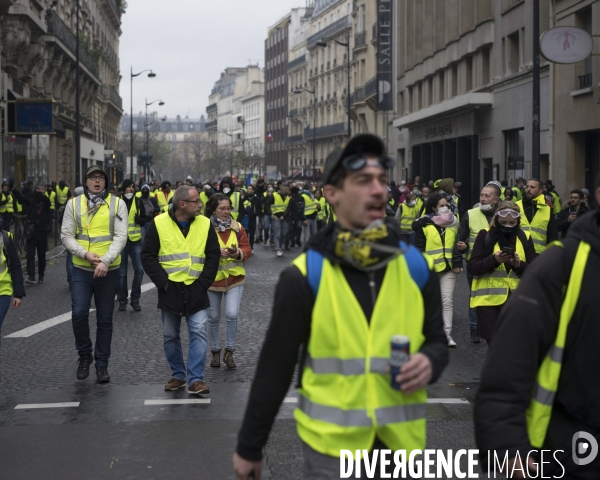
(134, 251)
(4, 306)
(69, 266)
(83, 287)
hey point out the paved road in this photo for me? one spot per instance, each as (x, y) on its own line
(124, 430)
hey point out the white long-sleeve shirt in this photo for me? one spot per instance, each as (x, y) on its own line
(119, 241)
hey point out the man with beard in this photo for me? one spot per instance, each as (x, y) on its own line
(36, 230)
(537, 217)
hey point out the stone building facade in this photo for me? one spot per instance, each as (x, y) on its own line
(38, 62)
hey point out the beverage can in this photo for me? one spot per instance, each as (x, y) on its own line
(400, 354)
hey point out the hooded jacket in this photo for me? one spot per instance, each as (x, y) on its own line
(527, 329)
(290, 328)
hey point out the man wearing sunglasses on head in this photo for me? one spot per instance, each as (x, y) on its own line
(354, 288)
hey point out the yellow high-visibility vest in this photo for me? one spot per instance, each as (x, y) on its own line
(540, 409)
(279, 205)
(235, 198)
(229, 266)
(438, 248)
(204, 200)
(161, 199)
(345, 353)
(51, 196)
(407, 216)
(95, 233)
(323, 211)
(182, 257)
(310, 206)
(6, 284)
(477, 222)
(538, 228)
(8, 207)
(134, 231)
(62, 194)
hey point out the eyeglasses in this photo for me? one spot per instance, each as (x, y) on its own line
(358, 162)
(508, 212)
(191, 201)
(96, 177)
(224, 209)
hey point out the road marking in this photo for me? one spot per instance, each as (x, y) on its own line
(30, 406)
(461, 401)
(52, 322)
(177, 402)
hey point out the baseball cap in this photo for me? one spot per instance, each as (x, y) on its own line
(361, 143)
(95, 169)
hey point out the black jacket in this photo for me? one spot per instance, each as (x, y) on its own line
(421, 241)
(527, 329)
(16, 272)
(255, 205)
(154, 211)
(290, 328)
(140, 218)
(179, 298)
(562, 218)
(295, 209)
(38, 210)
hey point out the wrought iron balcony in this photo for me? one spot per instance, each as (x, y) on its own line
(298, 112)
(358, 96)
(110, 92)
(58, 29)
(326, 131)
(211, 125)
(293, 140)
(585, 81)
(211, 108)
(329, 31)
(360, 39)
(371, 87)
(296, 62)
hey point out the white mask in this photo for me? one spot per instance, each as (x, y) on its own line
(129, 196)
(485, 208)
(442, 210)
(226, 190)
(411, 204)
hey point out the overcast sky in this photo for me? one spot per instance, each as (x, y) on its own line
(188, 43)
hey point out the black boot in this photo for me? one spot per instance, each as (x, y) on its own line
(83, 366)
(102, 375)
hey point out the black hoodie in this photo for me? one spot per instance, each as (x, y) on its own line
(527, 328)
(290, 328)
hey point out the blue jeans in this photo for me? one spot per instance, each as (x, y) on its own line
(4, 306)
(69, 266)
(408, 238)
(280, 230)
(83, 287)
(198, 345)
(309, 230)
(233, 298)
(134, 251)
(267, 228)
(294, 232)
(472, 311)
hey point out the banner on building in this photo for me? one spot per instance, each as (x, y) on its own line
(385, 71)
(31, 116)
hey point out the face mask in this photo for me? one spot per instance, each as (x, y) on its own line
(226, 190)
(145, 193)
(129, 196)
(505, 229)
(411, 204)
(485, 208)
(442, 210)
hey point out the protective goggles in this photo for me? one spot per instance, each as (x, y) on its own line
(508, 212)
(358, 162)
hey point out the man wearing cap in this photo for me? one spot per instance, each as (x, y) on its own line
(343, 300)
(189, 181)
(94, 230)
(537, 217)
(133, 248)
(164, 195)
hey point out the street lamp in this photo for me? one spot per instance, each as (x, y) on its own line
(314, 92)
(150, 75)
(146, 125)
(322, 43)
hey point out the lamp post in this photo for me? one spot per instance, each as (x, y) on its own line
(150, 75)
(146, 125)
(314, 129)
(322, 43)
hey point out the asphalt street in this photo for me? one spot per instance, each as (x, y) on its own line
(55, 427)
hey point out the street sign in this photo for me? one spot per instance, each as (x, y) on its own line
(33, 116)
(566, 45)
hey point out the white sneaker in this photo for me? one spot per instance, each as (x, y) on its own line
(279, 253)
(451, 343)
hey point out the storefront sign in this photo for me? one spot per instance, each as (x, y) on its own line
(33, 117)
(566, 45)
(385, 71)
(438, 130)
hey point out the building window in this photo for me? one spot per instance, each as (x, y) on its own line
(515, 154)
(441, 87)
(512, 53)
(485, 70)
(454, 79)
(585, 80)
(469, 74)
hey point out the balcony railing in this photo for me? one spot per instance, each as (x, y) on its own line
(358, 96)
(298, 112)
(110, 92)
(211, 125)
(329, 31)
(585, 81)
(371, 87)
(293, 140)
(360, 39)
(296, 62)
(326, 131)
(212, 107)
(59, 29)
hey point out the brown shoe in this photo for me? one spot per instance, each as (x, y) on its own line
(228, 359)
(216, 358)
(174, 384)
(272, 244)
(265, 241)
(198, 388)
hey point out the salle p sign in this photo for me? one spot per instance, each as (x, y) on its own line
(566, 45)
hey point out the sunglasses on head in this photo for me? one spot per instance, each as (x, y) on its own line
(508, 212)
(359, 161)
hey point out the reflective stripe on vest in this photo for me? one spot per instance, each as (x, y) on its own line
(492, 288)
(182, 257)
(161, 199)
(95, 232)
(477, 222)
(310, 206)
(407, 216)
(538, 228)
(540, 409)
(62, 195)
(229, 267)
(235, 204)
(440, 246)
(279, 205)
(134, 231)
(51, 196)
(346, 353)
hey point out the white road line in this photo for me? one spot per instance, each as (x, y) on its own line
(52, 322)
(30, 406)
(461, 401)
(177, 402)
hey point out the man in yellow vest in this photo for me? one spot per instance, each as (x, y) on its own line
(344, 299)
(94, 230)
(181, 256)
(136, 219)
(279, 225)
(537, 217)
(204, 197)
(62, 194)
(7, 208)
(164, 194)
(539, 388)
(227, 188)
(310, 213)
